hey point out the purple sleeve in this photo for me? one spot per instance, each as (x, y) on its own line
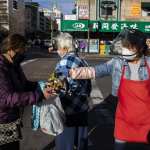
(10, 98)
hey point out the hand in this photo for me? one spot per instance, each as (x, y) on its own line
(50, 49)
(48, 92)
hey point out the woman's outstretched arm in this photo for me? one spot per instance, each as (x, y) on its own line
(100, 70)
(82, 73)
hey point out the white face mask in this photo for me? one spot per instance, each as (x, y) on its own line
(127, 54)
(61, 53)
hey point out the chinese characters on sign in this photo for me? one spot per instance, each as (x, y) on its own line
(118, 26)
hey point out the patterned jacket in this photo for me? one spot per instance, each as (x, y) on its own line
(80, 89)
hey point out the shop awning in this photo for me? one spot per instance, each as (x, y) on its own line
(103, 26)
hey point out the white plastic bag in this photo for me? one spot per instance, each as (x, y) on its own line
(52, 118)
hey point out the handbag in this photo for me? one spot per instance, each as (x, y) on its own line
(52, 118)
(10, 132)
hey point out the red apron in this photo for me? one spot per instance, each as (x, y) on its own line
(132, 122)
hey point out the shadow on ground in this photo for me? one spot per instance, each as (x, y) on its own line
(101, 120)
(101, 124)
(101, 128)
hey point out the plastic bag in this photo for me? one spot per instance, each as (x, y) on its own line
(52, 118)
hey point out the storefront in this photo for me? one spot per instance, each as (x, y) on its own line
(101, 32)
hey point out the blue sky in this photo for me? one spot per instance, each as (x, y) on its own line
(65, 5)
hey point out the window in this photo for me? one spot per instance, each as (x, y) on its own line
(3, 4)
(107, 8)
(145, 9)
(15, 4)
(107, 11)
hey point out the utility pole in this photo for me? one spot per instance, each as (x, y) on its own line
(51, 26)
(51, 17)
(118, 10)
(89, 28)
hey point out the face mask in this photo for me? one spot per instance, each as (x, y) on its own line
(127, 54)
(61, 53)
(18, 58)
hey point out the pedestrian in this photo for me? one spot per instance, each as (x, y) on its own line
(148, 43)
(15, 91)
(75, 99)
(82, 45)
(130, 73)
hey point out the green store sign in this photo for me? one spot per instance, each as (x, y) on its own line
(103, 26)
(74, 25)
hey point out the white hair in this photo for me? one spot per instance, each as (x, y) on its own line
(65, 40)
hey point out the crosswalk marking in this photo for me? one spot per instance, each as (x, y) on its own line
(28, 61)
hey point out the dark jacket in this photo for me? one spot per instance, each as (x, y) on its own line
(15, 91)
(75, 99)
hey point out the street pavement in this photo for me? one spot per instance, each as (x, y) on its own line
(37, 66)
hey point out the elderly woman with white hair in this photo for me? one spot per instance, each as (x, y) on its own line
(75, 99)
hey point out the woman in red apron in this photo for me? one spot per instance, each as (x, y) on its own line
(132, 121)
(131, 83)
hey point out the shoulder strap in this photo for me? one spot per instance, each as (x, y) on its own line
(148, 67)
(123, 71)
(82, 60)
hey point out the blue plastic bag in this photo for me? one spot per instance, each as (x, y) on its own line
(36, 109)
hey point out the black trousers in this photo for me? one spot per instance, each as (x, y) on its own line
(10, 146)
(131, 146)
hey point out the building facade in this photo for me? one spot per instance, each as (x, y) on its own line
(100, 21)
(44, 22)
(10, 11)
(86, 9)
(31, 17)
(37, 23)
(121, 10)
(46, 15)
(108, 9)
(135, 10)
(4, 15)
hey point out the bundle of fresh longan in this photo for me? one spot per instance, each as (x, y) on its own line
(55, 83)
